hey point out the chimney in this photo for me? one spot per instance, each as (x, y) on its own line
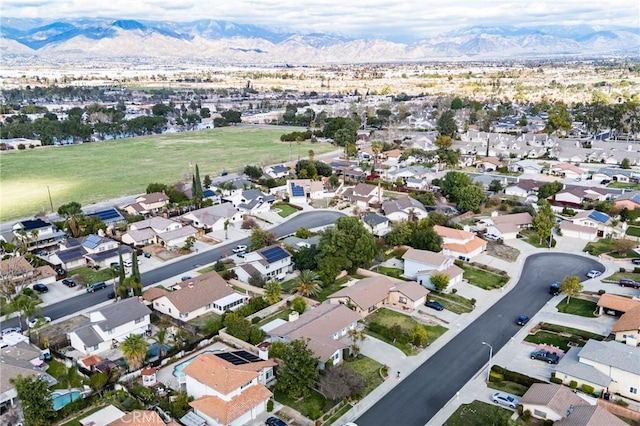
(293, 316)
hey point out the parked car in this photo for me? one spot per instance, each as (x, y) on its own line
(522, 320)
(185, 278)
(241, 254)
(11, 330)
(629, 283)
(546, 356)
(34, 322)
(40, 288)
(636, 261)
(111, 295)
(239, 248)
(274, 421)
(594, 273)
(69, 282)
(435, 305)
(554, 288)
(492, 237)
(605, 181)
(505, 399)
(96, 286)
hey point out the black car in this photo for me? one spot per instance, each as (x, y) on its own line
(435, 305)
(636, 261)
(274, 421)
(69, 282)
(96, 286)
(40, 288)
(546, 356)
(522, 320)
(554, 289)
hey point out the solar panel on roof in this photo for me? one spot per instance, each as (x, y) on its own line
(105, 215)
(238, 357)
(599, 216)
(274, 254)
(248, 356)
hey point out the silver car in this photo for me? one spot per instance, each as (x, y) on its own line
(505, 399)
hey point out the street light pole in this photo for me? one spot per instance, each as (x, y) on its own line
(490, 358)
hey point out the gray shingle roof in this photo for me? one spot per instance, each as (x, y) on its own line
(618, 355)
(571, 365)
(122, 312)
(88, 335)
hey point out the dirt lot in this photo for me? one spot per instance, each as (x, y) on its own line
(56, 334)
(160, 252)
(502, 251)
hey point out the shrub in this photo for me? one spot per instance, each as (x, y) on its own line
(623, 270)
(315, 413)
(459, 263)
(622, 403)
(495, 377)
(526, 415)
(601, 292)
(270, 405)
(636, 270)
(587, 389)
(454, 290)
(548, 422)
(573, 384)
(255, 320)
(556, 380)
(473, 301)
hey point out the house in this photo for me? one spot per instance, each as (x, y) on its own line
(376, 224)
(227, 387)
(508, 226)
(613, 174)
(627, 329)
(567, 170)
(93, 250)
(526, 167)
(612, 304)
(420, 265)
(271, 263)
(158, 230)
(325, 327)
(278, 171)
(460, 243)
(589, 415)
(110, 325)
(21, 359)
(197, 296)
(296, 243)
(549, 401)
(628, 200)
(112, 416)
(601, 222)
(420, 184)
(363, 195)
(523, 188)
(576, 195)
(148, 204)
(606, 366)
(111, 217)
(37, 233)
(488, 164)
(569, 229)
(17, 270)
(371, 293)
(301, 190)
(251, 201)
(213, 218)
(404, 208)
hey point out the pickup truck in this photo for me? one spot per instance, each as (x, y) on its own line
(550, 357)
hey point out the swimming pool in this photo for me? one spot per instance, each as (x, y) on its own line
(178, 368)
(60, 398)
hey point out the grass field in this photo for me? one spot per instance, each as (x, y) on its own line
(100, 171)
(479, 413)
(483, 279)
(581, 307)
(634, 231)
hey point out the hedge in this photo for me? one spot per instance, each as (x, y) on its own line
(587, 389)
(515, 377)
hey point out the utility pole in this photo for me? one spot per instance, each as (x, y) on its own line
(50, 202)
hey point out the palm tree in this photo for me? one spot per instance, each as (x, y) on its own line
(308, 283)
(356, 336)
(161, 339)
(134, 349)
(272, 291)
(227, 222)
(26, 307)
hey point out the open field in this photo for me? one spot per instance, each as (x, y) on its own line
(99, 171)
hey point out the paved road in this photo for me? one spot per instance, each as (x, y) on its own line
(422, 394)
(310, 220)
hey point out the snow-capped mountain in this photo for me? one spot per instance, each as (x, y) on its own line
(226, 42)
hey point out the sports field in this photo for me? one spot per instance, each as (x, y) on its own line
(99, 171)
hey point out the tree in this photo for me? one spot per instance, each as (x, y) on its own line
(558, 119)
(189, 242)
(340, 382)
(356, 337)
(299, 305)
(206, 181)
(495, 186)
(571, 286)
(134, 349)
(298, 372)
(456, 103)
(452, 182)
(625, 163)
(237, 326)
(548, 189)
(26, 306)
(440, 281)
(544, 221)
(308, 283)
(470, 198)
(254, 172)
(303, 233)
(305, 258)
(232, 116)
(260, 238)
(443, 142)
(98, 381)
(35, 396)
(425, 238)
(196, 191)
(227, 222)
(70, 209)
(135, 280)
(623, 245)
(272, 292)
(161, 338)
(418, 335)
(446, 124)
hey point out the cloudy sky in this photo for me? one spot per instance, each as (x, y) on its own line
(395, 19)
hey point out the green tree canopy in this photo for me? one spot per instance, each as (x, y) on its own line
(134, 348)
(35, 396)
(453, 182)
(470, 198)
(70, 209)
(298, 372)
(544, 221)
(260, 238)
(446, 124)
(571, 286)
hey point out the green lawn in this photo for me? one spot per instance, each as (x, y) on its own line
(627, 185)
(509, 387)
(313, 405)
(634, 231)
(369, 370)
(581, 307)
(90, 275)
(100, 171)
(329, 290)
(532, 238)
(586, 335)
(617, 276)
(285, 209)
(544, 337)
(608, 246)
(479, 413)
(483, 279)
(453, 302)
(391, 272)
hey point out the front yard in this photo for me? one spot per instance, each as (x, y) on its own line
(532, 238)
(610, 247)
(581, 307)
(479, 413)
(402, 331)
(483, 279)
(560, 336)
(91, 276)
(285, 209)
(453, 302)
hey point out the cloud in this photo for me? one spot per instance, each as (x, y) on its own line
(395, 19)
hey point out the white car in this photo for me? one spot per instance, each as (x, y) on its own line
(594, 273)
(505, 399)
(240, 248)
(37, 321)
(491, 237)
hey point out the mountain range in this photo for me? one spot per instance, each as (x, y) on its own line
(225, 42)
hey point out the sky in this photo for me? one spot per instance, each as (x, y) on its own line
(391, 19)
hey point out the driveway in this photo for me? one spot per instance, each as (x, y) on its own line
(382, 352)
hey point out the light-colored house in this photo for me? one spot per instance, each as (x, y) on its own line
(271, 262)
(93, 250)
(37, 233)
(278, 171)
(224, 392)
(590, 415)
(607, 366)
(404, 208)
(508, 226)
(526, 167)
(613, 174)
(371, 293)
(420, 265)
(488, 164)
(159, 230)
(612, 304)
(301, 190)
(16, 269)
(251, 201)
(629, 200)
(198, 296)
(600, 221)
(324, 327)
(363, 195)
(376, 224)
(567, 170)
(549, 401)
(627, 329)
(148, 204)
(460, 243)
(523, 188)
(213, 218)
(569, 229)
(110, 325)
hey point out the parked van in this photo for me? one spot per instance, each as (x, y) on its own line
(96, 286)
